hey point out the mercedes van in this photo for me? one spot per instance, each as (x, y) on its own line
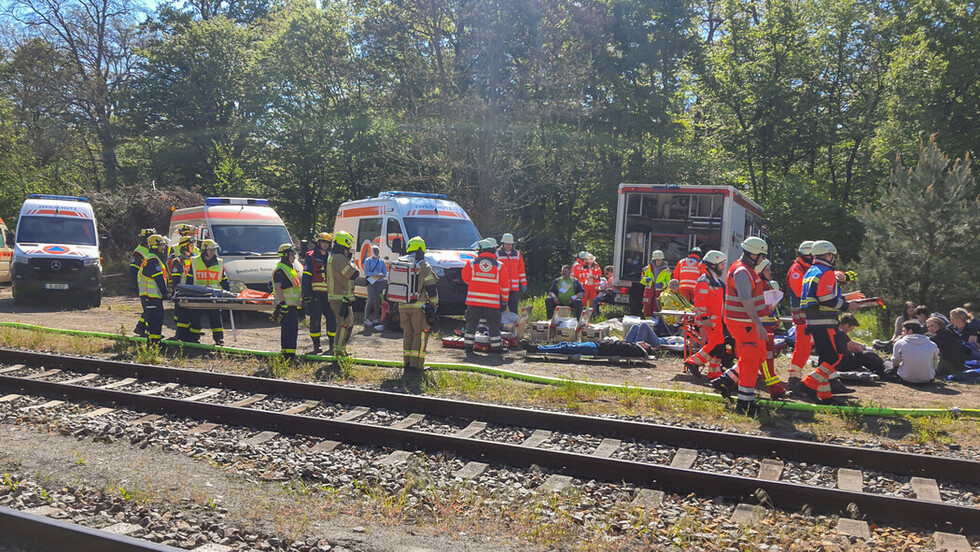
(248, 232)
(56, 250)
(390, 219)
(6, 252)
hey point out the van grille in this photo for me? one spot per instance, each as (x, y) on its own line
(55, 267)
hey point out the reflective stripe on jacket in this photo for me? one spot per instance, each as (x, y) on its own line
(822, 299)
(147, 282)
(293, 296)
(656, 277)
(515, 267)
(340, 286)
(734, 309)
(709, 300)
(205, 275)
(487, 281)
(687, 272)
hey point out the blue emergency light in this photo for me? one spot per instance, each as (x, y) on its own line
(64, 198)
(413, 194)
(236, 201)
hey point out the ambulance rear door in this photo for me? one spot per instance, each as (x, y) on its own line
(6, 251)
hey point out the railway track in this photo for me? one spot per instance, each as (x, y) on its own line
(655, 458)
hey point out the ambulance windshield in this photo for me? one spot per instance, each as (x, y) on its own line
(249, 239)
(59, 230)
(442, 232)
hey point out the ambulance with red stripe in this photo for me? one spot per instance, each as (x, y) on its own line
(392, 218)
(56, 250)
(6, 252)
(248, 232)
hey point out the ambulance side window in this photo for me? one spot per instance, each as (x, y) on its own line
(368, 229)
(396, 241)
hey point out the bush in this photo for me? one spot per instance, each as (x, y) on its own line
(123, 212)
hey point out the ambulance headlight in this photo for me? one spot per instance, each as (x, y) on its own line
(237, 286)
(20, 259)
(91, 262)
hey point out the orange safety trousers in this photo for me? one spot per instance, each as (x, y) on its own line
(750, 347)
(801, 351)
(830, 357)
(713, 348)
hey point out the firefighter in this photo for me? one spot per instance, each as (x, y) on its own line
(153, 287)
(207, 269)
(688, 271)
(822, 301)
(315, 293)
(288, 297)
(745, 306)
(136, 261)
(804, 342)
(184, 231)
(341, 274)
(512, 259)
(656, 276)
(416, 318)
(178, 265)
(487, 287)
(709, 302)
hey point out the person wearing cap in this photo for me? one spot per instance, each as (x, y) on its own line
(655, 278)
(315, 296)
(376, 274)
(688, 271)
(341, 275)
(207, 269)
(418, 317)
(709, 301)
(288, 293)
(511, 258)
(794, 284)
(487, 288)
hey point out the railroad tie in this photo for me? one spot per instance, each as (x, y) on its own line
(606, 448)
(245, 402)
(121, 528)
(949, 542)
(43, 374)
(158, 390)
(472, 430)
(146, 419)
(48, 404)
(354, 414)
(684, 458)
(98, 412)
(212, 547)
(850, 480)
(10, 398)
(539, 436)
(648, 498)
(926, 489)
(120, 383)
(854, 528)
(325, 446)
(203, 428)
(770, 470)
(471, 470)
(259, 438)
(80, 379)
(204, 394)
(46, 511)
(395, 458)
(748, 514)
(12, 368)
(301, 408)
(555, 483)
(408, 421)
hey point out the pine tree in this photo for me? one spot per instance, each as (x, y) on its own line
(922, 238)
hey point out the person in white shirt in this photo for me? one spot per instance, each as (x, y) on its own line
(915, 358)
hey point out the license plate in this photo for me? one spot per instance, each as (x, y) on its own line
(621, 298)
(55, 286)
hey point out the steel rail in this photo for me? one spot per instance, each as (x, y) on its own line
(947, 517)
(33, 532)
(900, 463)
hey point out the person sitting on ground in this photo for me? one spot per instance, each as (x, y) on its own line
(856, 357)
(605, 347)
(952, 354)
(565, 291)
(607, 294)
(907, 315)
(922, 314)
(674, 301)
(959, 320)
(974, 323)
(915, 359)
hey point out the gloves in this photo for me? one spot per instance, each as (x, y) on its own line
(306, 302)
(280, 310)
(523, 287)
(430, 314)
(345, 309)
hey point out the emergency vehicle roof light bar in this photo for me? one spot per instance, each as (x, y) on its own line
(65, 198)
(412, 194)
(236, 201)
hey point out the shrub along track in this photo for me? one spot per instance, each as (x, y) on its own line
(595, 462)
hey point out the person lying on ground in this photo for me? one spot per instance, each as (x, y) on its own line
(915, 359)
(856, 357)
(603, 348)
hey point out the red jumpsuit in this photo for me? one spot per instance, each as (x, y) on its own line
(804, 341)
(687, 272)
(749, 344)
(709, 302)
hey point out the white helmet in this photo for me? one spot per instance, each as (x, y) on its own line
(762, 266)
(823, 247)
(715, 257)
(492, 242)
(755, 246)
(507, 238)
(806, 248)
(774, 284)
(583, 254)
(657, 255)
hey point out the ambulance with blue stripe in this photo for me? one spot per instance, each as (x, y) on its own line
(392, 218)
(56, 250)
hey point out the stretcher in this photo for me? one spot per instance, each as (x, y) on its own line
(551, 357)
(208, 298)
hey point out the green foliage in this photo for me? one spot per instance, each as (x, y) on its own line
(922, 236)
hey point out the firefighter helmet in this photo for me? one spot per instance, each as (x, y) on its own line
(186, 230)
(344, 239)
(155, 241)
(209, 244)
(823, 247)
(806, 248)
(324, 236)
(147, 232)
(695, 251)
(657, 255)
(285, 249)
(507, 238)
(416, 243)
(763, 264)
(186, 241)
(582, 254)
(492, 242)
(755, 246)
(714, 257)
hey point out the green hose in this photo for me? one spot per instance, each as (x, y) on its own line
(532, 378)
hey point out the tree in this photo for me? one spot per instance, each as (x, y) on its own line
(922, 242)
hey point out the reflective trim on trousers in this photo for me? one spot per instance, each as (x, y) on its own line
(746, 393)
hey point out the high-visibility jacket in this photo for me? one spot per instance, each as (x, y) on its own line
(709, 301)
(315, 272)
(139, 255)
(152, 277)
(822, 299)
(201, 274)
(591, 275)
(515, 267)
(656, 277)
(687, 272)
(487, 281)
(579, 271)
(293, 295)
(734, 309)
(340, 284)
(794, 281)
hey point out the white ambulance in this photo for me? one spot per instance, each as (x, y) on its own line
(6, 251)
(248, 232)
(392, 218)
(56, 250)
(674, 219)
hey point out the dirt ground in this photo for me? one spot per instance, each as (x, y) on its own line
(254, 331)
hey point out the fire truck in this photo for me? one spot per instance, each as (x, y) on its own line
(674, 219)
